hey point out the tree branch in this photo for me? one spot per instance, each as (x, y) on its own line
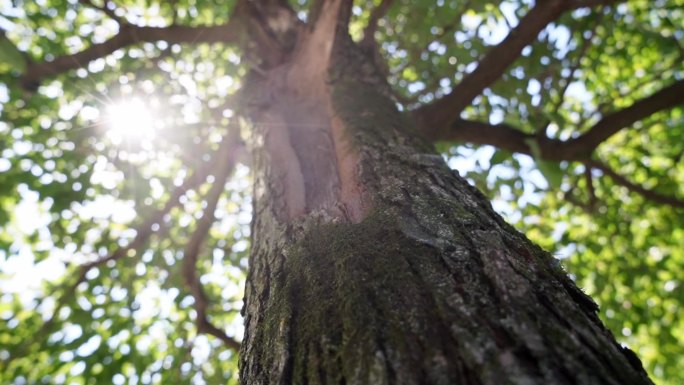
(585, 144)
(646, 193)
(506, 137)
(512, 139)
(378, 13)
(129, 35)
(492, 66)
(192, 250)
(590, 187)
(569, 196)
(499, 135)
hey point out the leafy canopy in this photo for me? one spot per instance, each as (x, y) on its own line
(125, 196)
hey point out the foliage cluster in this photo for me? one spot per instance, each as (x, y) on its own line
(94, 223)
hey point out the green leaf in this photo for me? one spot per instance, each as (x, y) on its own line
(499, 157)
(10, 56)
(534, 148)
(552, 172)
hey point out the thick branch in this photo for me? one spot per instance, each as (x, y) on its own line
(502, 136)
(646, 193)
(129, 35)
(666, 98)
(273, 28)
(493, 65)
(372, 26)
(226, 164)
(512, 139)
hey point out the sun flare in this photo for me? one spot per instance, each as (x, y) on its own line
(130, 119)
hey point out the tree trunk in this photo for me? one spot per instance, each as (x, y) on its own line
(373, 263)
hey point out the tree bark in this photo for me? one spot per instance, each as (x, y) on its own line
(374, 263)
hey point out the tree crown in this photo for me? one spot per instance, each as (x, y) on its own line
(125, 193)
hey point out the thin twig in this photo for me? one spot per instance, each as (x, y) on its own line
(143, 233)
(378, 13)
(104, 9)
(417, 52)
(590, 186)
(631, 186)
(194, 246)
(586, 43)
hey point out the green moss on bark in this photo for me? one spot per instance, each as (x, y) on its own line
(350, 275)
(431, 287)
(371, 119)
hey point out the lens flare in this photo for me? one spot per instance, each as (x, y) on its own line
(131, 119)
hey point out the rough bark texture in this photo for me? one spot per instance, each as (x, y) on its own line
(373, 263)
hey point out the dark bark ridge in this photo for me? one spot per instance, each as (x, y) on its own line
(427, 286)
